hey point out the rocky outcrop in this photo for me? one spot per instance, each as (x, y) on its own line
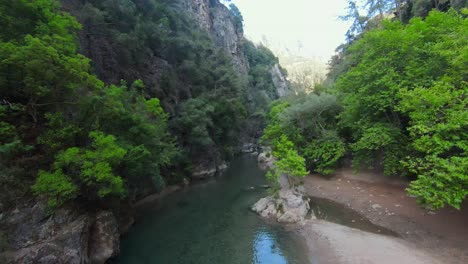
(218, 21)
(203, 171)
(249, 148)
(289, 207)
(279, 81)
(104, 238)
(266, 160)
(67, 236)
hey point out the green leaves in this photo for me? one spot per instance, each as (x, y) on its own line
(308, 123)
(405, 104)
(289, 161)
(90, 170)
(324, 153)
(58, 187)
(439, 127)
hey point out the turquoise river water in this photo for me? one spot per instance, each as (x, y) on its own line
(211, 223)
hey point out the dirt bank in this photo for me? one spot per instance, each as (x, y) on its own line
(424, 236)
(332, 244)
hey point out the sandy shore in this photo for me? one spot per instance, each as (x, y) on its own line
(423, 236)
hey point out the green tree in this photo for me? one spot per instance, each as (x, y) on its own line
(404, 104)
(89, 172)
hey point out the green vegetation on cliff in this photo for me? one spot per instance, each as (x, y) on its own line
(153, 96)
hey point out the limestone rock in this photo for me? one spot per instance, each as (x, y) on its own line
(279, 81)
(290, 207)
(104, 238)
(218, 21)
(262, 204)
(60, 239)
(207, 170)
(66, 236)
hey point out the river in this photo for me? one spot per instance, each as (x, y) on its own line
(211, 222)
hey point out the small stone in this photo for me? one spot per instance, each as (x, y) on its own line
(376, 206)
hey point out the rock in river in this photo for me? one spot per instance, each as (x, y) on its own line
(291, 206)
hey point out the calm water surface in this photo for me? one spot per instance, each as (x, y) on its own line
(211, 223)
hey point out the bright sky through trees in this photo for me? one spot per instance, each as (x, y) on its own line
(309, 28)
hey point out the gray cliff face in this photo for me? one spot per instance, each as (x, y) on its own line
(279, 81)
(67, 236)
(218, 21)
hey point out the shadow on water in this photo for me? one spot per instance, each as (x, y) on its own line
(211, 223)
(331, 211)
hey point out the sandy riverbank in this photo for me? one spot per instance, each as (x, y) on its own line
(423, 236)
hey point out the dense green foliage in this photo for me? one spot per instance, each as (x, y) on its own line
(405, 104)
(261, 85)
(366, 15)
(154, 97)
(179, 63)
(306, 124)
(403, 88)
(102, 137)
(288, 161)
(402, 107)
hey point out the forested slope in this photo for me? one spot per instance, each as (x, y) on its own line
(395, 101)
(105, 100)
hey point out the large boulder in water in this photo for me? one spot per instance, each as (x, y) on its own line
(290, 206)
(295, 206)
(266, 207)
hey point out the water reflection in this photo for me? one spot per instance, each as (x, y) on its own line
(266, 250)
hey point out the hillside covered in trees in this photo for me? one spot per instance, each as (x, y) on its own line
(101, 99)
(395, 100)
(108, 104)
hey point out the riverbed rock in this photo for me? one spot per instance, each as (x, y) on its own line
(290, 206)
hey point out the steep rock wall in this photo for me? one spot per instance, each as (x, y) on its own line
(279, 81)
(218, 21)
